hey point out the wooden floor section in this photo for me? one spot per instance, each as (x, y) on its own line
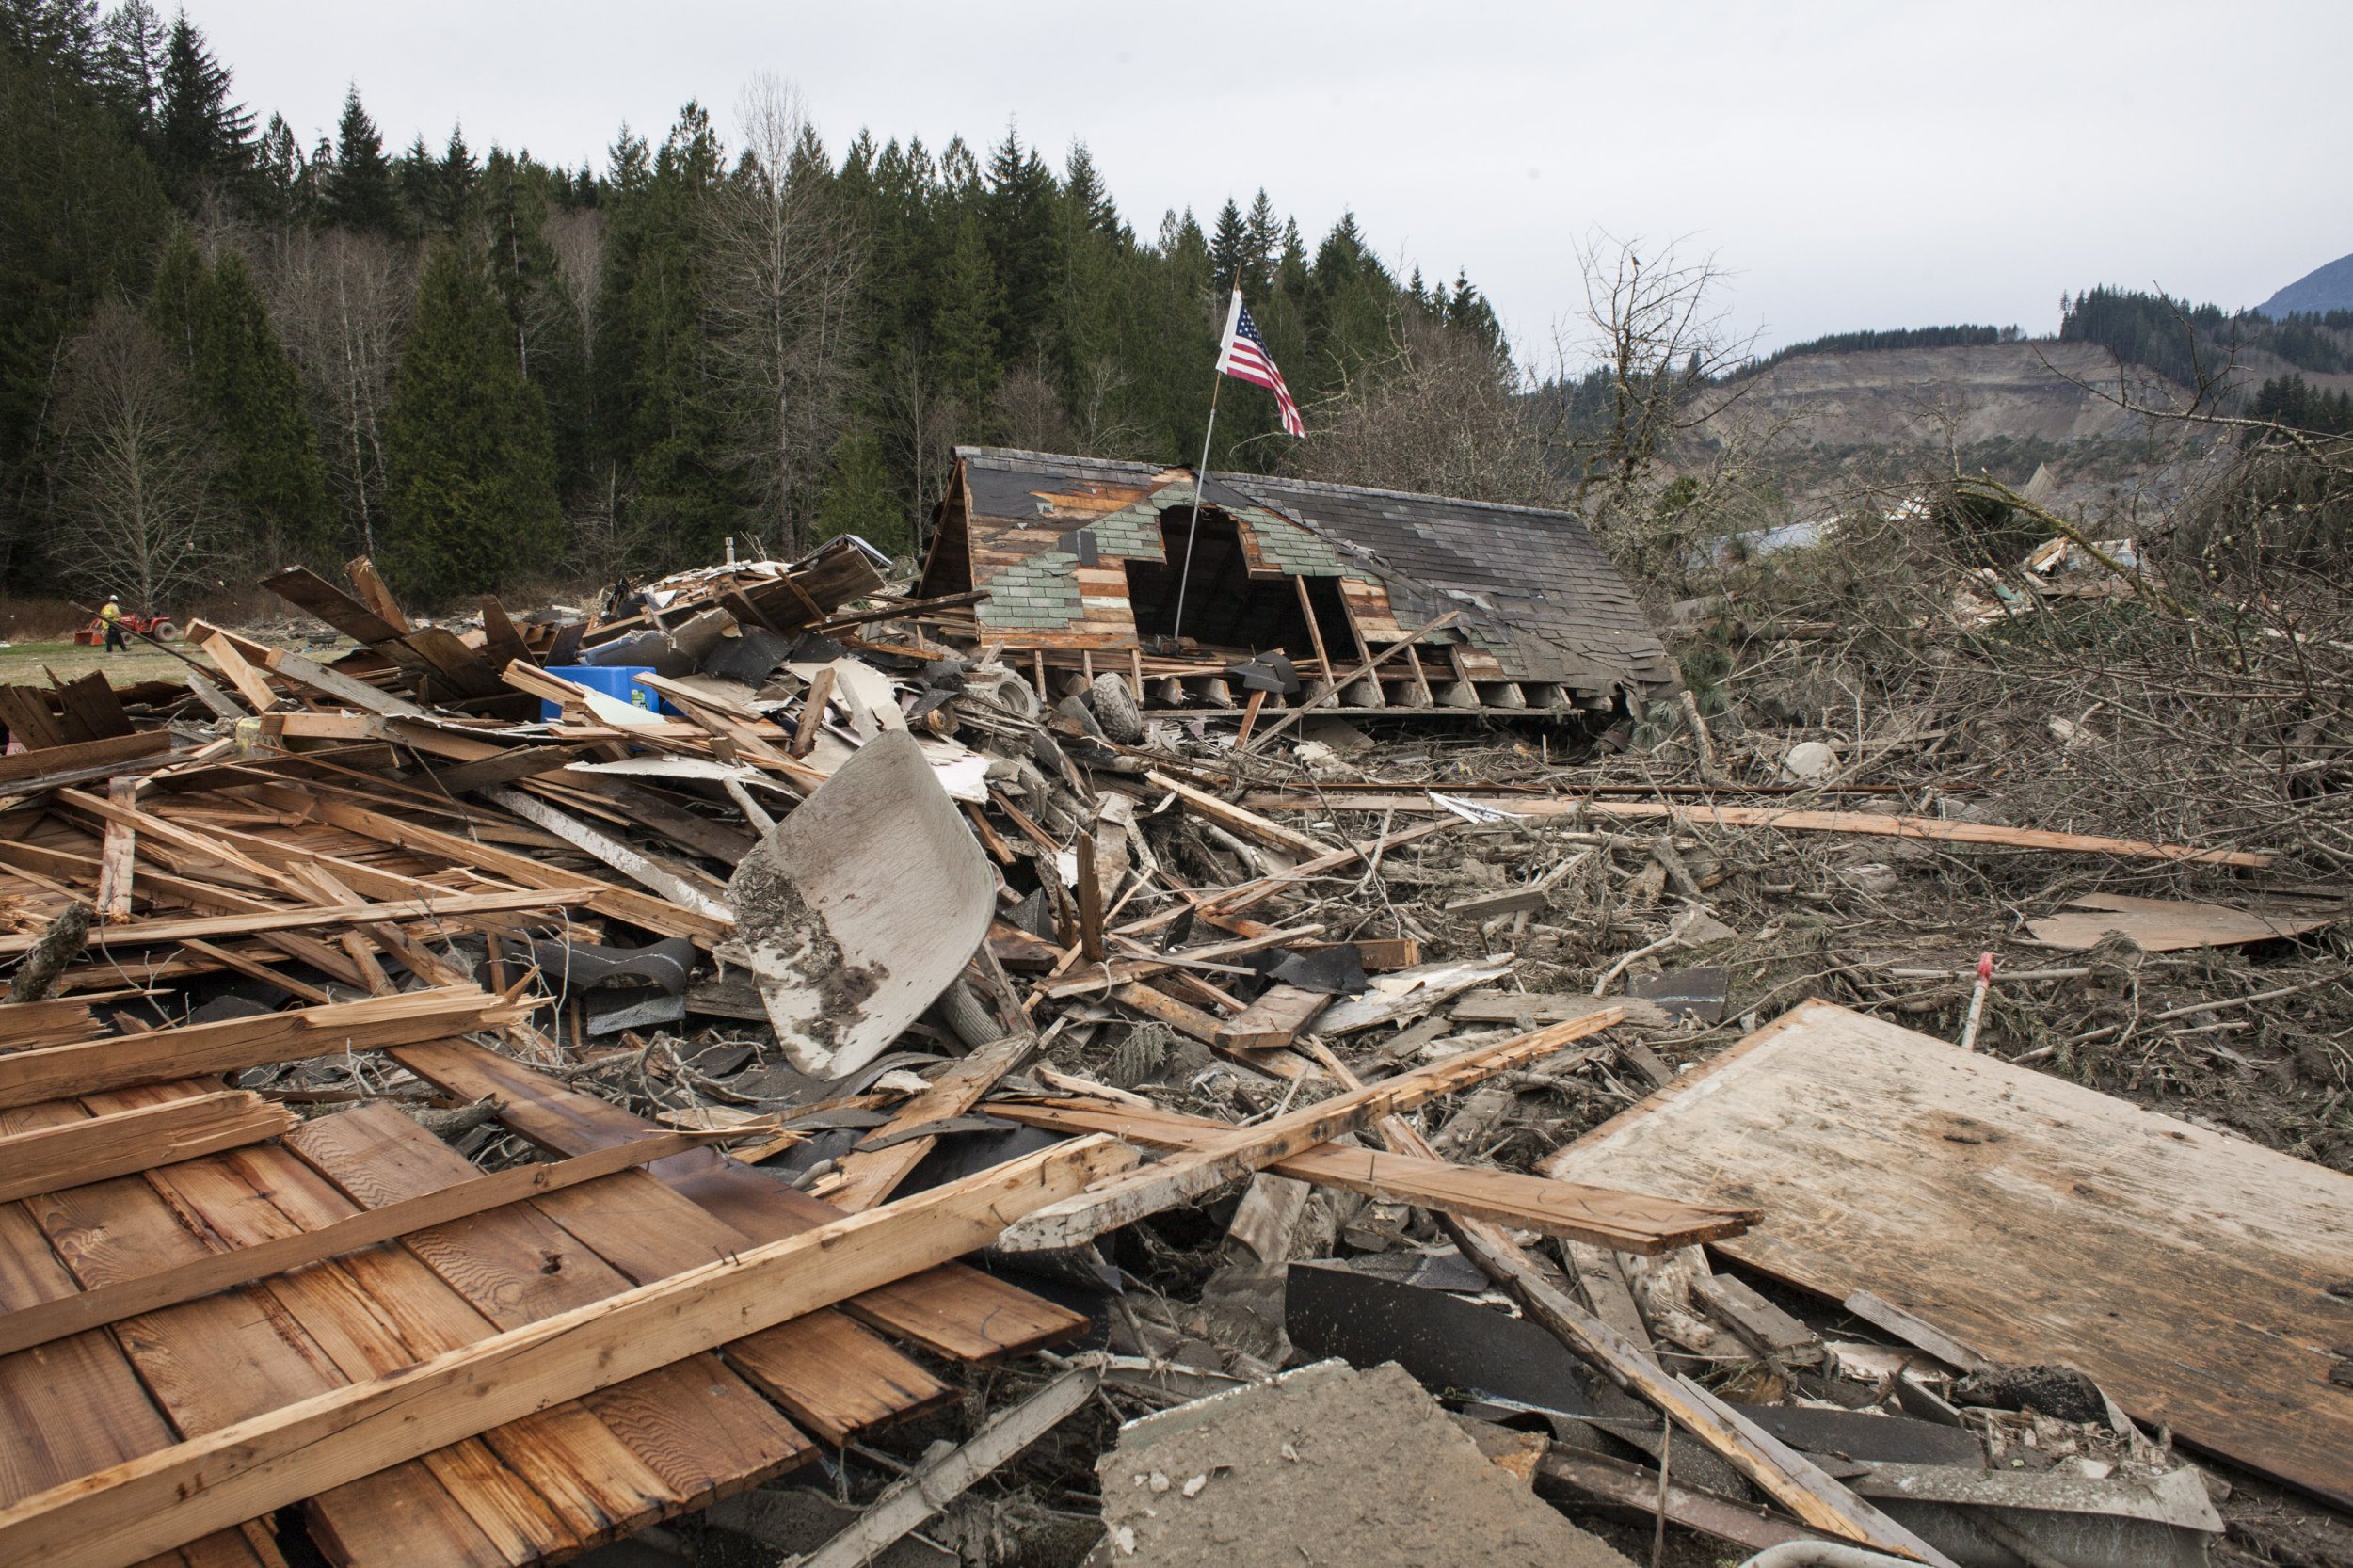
(568, 1479)
(2189, 1273)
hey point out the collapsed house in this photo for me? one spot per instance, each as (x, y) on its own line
(1405, 601)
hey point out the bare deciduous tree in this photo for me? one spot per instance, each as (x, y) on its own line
(340, 301)
(1441, 412)
(136, 479)
(1658, 331)
(1028, 413)
(783, 288)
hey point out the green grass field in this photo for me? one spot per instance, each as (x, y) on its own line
(22, 664)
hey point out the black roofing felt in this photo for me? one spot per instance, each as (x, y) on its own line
(1530, 577)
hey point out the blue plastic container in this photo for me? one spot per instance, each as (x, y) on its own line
(614, 681)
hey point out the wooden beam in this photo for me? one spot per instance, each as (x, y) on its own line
(613, 852)
(1184, 1176)
(251, 684)
(83, 754)
(1110, 976)
(130, 1512)
(1600, 1216)
(203, 1276)
(1235, 819)
(812, 719)
(152, 932)
(1868, 823)
(868, 1178)
(118, 861)
(405, 1018)
(73, 1154)
(1090, 898)
(1274, 1020)
(379, 598)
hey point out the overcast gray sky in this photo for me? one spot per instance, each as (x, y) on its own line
(1853, 164)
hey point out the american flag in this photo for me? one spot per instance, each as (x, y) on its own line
(1243, 357)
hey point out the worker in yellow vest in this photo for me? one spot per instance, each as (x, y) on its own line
(111, 612)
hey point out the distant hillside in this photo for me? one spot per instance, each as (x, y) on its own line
(2327, 288)
(1918, 396)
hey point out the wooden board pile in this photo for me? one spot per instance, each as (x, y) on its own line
(381, 1028)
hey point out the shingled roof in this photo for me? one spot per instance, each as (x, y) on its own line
(1537, 573)
(1529, 584)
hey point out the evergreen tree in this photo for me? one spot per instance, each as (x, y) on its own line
(81, 216)
(654, 391)
(965, 326)
(359, 191)
(212, 323)
(1084, 189)
(1262, 240)
(285, 176)
(131, 67)
(273, 475)
(202, 137)
(1021, 232)
(1229, 249)
(860, 497)
(472, 471)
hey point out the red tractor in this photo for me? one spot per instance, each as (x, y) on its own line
(161, 628)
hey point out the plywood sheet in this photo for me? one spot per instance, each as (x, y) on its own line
(2187, 1270)
(2167, 925)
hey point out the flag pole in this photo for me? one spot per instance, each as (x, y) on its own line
(1201, 473)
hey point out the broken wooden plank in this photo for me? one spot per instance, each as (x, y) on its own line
(49, 1159)
(248, 1469)
(51, 1072)
(84, 754)
(603, 846)
(1405, 993)
(1603, 1217)
(150, 933)
(1275, 1019)
(938, 1481)
(117, 858)
(1119, 972)
(1868, 823)
(203, 1276)
(1233, 818)
(1331, 691)
(812, 720)
(870, 1176)
(1189, 1174)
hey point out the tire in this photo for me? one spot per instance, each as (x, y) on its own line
(165, 631)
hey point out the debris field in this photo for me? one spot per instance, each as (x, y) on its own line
(802, 1065)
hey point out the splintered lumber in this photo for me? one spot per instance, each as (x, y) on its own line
(152, 932)
(1248, 825)
(1599, 1216)
(2027, 1218)
(400, 1018)
(1176, 1015)
(1120, 971)
(73, 758)
(203, 1276)
(1191, 1174)
(251, 1468)
(613, 852)
(50, 1159)
(622, 903)
(1789, 1479)
(120, 856)
(935, 1482)
(870, 1176)
(1274, 1020)
(1867, 824)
